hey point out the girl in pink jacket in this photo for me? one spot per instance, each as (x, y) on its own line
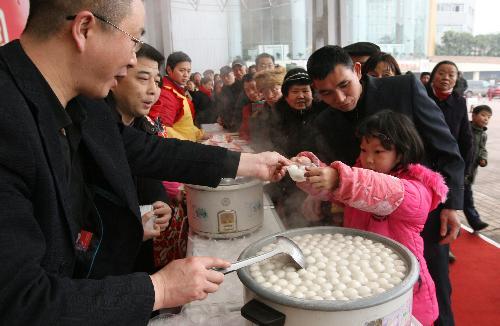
(387, 192)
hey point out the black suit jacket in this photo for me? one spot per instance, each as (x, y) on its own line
(37, 235)
(404, 94)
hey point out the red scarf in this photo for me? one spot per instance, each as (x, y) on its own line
(442, 95)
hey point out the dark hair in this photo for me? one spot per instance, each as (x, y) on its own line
(362, 49)
(263, 55)
(478, 109)
(375, 59)
(394, 129)
(205, 80)
(147, 51)
(295, 76)
(324, 60)
(248, 77)
(191, 78)
(46, 17)
(177, 57)
(425, 73)
(225, 70)
(439, 64)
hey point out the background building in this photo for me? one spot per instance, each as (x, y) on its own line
(399, 27)
(454, 15)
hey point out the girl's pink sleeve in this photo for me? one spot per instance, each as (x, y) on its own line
(367, 190)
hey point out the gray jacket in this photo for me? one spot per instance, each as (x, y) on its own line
(479, 148)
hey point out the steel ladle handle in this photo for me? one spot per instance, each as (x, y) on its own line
(246, 262)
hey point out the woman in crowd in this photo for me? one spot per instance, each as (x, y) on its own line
(381, 65)
(263, 121)
(440, 89)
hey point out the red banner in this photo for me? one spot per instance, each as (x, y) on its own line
(13, 16)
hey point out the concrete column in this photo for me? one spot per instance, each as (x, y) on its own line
(299, 28)
(475, 75)
(234, 29)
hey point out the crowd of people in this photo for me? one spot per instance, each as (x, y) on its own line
(96, 128)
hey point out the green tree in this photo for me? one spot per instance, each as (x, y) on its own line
(465, 44)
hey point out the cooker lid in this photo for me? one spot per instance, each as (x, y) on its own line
(235, 181)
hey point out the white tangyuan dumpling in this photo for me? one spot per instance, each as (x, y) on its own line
(282, 282)
(297, 172)
(273, 278)
(364, 291)
(351, 293)
(299, 295)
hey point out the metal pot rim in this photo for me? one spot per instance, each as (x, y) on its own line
(229, 184)
(332, 305)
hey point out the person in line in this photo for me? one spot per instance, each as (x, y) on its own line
(256, 103)
(204, 103)
(264, 61)
(262, 124)
(441, 89)
(239, 69)
(70, 221)
(174, 109)
(252, 69)
(294, 133)
(339, 83)
(210, 74)
(387, 192)
(227, 98)
(425, 77)
(481, 115)
(381, 65)
(196, 79)
(130, 101)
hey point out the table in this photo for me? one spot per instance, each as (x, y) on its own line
(223, 307)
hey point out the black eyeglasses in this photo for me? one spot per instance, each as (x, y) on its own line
(137, 43)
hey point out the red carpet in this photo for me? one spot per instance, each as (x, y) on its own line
(475, 278)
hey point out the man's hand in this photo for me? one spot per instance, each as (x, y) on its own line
(450, 225)
(186, 280)
(325, 178)
(483, 163)
(268, 166)
(311, 208)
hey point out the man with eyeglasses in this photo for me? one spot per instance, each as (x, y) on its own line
(264, 61)
(70, 225)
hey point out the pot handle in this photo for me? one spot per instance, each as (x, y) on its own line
(261, 314)
(246, 262)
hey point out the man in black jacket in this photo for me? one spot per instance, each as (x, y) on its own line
(130, 100)
(337, 80)
(70, 226)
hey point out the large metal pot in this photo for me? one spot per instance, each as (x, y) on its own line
(392, 307)
(232, 209)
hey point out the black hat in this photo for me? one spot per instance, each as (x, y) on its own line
(296, 76)
(238, 62)
(226, 70)
(362, 48)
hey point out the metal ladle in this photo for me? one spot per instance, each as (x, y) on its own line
(283, 246)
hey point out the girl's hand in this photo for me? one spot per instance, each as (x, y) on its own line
(163, 214)
(324, 178)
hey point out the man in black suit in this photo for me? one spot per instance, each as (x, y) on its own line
(70, 226)
(338, 81)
